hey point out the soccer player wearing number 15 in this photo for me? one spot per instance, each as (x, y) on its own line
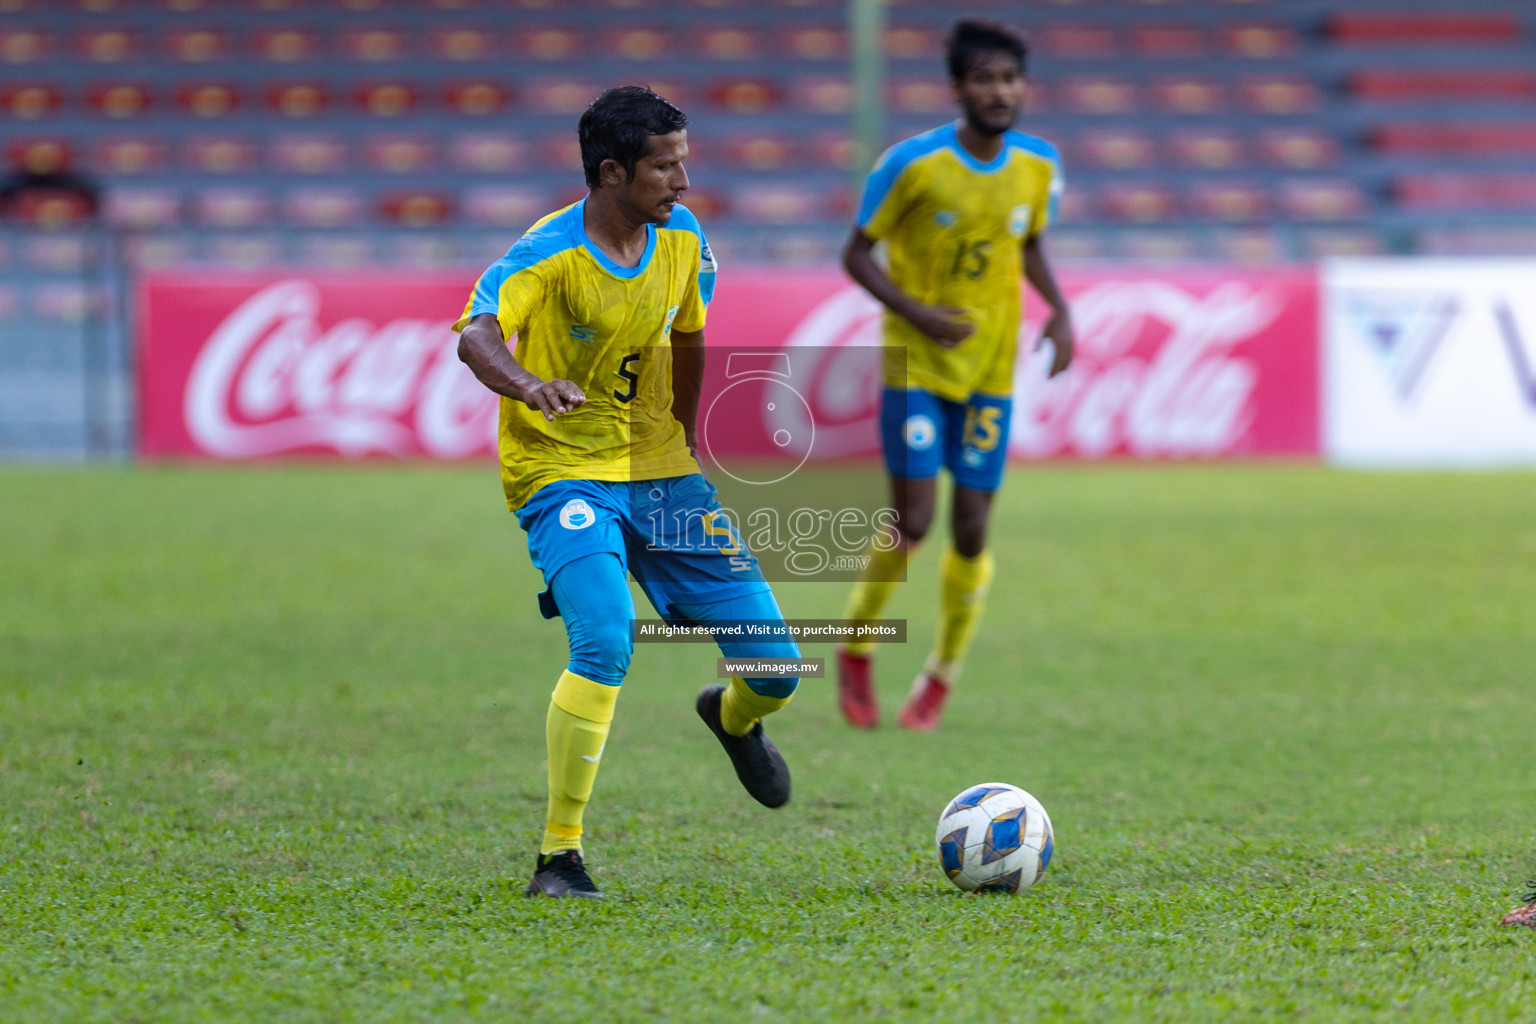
(606, 299)
(961, 209)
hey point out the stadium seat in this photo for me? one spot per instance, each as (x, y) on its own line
(509, 206)
(129, 154)
(1257, 41)
(477, 98)
(298, 99)
(822, 94)
(813, 42)
(286, 45)
(1206, 149)
(1257, 245)
(560, 151)
(559, 95)
(772, 202)
(323, 207)
(1077, 41)
(386, 99)
(760, 151)
(1299, 149)
(549, 43)
(1323, 199)
(1077, 205)
(119, 100)
(1163, 246)
(745, 95)
(1280, 94)
(106, 46)
(208, 99)
(634, 43)
(919, 94)
(831, 151)
(707, 204)
(30, 101)
(1424, 28)
(45, 155)
(57, 253)
(720, 43)
(1116, 149)
(307, 153)
(912, 42)
(400, 154)
(25, 46)
(1229, 200)
(219, 154)
(141, 207)
(1430, 85)
(1170, 40)
(1463, 138)
(1095, 94)
(229, 207)
(1466, 191)
(373, 45)
(195, 45)
(482, 153)
(418, 209)
(1145, 203)
(245, 250)
(337, 252)
(675, 92)
(1323, 243)
(1188, 94)
(463, 44)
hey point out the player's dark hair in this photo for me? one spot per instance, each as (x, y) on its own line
(969, 38)
(618, 126)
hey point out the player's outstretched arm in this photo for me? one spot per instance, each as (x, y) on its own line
(940, 324)
(484, 350)
(687, 383)
(1058, 329)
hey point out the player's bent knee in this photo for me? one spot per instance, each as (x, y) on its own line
(775, 688)
(603, 653)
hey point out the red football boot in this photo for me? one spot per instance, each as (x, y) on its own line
(922, 710)
(856, 690)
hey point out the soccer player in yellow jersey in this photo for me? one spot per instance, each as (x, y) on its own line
(606, 300)
(961, 209)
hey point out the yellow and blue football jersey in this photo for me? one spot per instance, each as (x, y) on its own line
(579, 316)
(955, 228)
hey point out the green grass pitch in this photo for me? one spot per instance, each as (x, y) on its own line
(271, 747)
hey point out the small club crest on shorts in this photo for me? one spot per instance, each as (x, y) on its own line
(577, 515)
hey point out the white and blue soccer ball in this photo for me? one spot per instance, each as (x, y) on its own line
(994, 838)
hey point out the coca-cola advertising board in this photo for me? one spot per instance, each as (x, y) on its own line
(1190, 363)
(1430, 362)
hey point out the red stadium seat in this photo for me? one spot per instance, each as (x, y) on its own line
(231, 207)
(1301, 149)
(1097, 94)
(307, 153)
(419, 209)
(560, 95)
(463, 44)
(1116, 149)
(674, 92)
(25, 46)
(717, 43)
(745, 95)
(760, 152)
(1465, 191)
(1144, 203)
(1258, 41)
(30, 101)
(373, 44)
(386, 99)
(477, 99)
(1280, 94)
(1483, 138)
(1427, 29)
(483, 153)
(1229, 200)
(1168, 40)
(135, 207)
(196, 45)
(129, 154)
(1323, 199)
(831, 150)
(208, 99)
(813, 42)
(400, 153)
(822, 94)
(773, 202)
(547, 43)
(219, 154)
(1260, 246)
(286, 45)
(919, 94)
(560, 151)
(509, 206)
(50, 208)
(1085, 40)
(1207, 150)
(119, 100)
(323, 207)
(107, 46)
(637, 43)
(1187, 94)
(298, 99)
(41, 155)
(1429, 85)
(912, 42)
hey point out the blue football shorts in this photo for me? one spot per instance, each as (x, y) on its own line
(919, 432)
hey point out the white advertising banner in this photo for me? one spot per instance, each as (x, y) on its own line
(1429, 362)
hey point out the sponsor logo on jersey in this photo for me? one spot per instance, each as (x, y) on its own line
(581, 332)
(1018, 220)
(577, 515)
(666, 328)
(919, 432)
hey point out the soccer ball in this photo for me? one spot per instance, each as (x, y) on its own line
(994, 837)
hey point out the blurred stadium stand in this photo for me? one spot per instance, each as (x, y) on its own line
(346, 133)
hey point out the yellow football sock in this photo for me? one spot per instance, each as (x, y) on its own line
(740, 707)
(576, 731)
(877, 583)
(962, 591)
